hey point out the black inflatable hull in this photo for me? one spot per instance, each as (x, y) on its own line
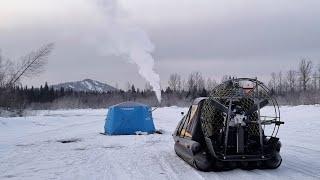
(198, 160)
(204, 162)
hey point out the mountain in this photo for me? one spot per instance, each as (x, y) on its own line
(87, 85)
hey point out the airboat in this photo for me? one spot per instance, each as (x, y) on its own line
(236, 126)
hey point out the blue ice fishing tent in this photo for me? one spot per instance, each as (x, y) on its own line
(129, 118)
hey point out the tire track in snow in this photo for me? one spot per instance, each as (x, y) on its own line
(302, 160)
(176, 167)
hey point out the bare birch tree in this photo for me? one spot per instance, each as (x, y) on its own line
(175, 82)
(195, 82)
(291, 79)
(305, 68)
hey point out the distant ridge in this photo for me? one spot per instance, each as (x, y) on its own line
(86, 85)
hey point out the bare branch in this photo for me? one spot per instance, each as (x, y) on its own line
(32, 64)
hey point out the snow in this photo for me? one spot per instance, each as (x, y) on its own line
(88, 85)
(92, 85)
(31, 148)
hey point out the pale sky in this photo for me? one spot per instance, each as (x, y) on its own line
(245, 38)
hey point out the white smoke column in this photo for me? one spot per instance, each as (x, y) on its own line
(131, 42)
(145, 63)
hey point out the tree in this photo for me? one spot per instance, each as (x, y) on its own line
(273, 81)
(175, 82)
(318, 77)
(6, 69)
(191, 83)
(291, 79)
(62, 92)
(211, 83)
(31, 64)
(225, 78)
(2, 75)
(305, 68)
(195, 82)
(314, 80)
(147, 87)
(168, 90)
(133, 89)
(280, 83)
(203, 93)
(128, 87)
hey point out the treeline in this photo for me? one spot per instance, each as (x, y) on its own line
(45, 97)
(293, 87)
(297, 86)
(18, 98)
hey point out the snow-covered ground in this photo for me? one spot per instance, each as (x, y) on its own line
(30, 148)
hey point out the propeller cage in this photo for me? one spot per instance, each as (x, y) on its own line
(234, 121)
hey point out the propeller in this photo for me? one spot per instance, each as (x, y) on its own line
(260, 104)
(221, 107)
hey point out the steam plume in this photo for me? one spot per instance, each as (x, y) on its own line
(131, 42)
